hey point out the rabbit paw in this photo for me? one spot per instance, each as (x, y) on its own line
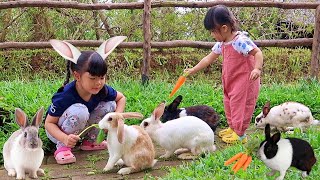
(125, 171)
(21, 176)
(11, 172)
(271, 173)
(187, 156)
(107, 168)
(119, 162)
(166, 155)
(181, 150)
(304, 174)
(33, 175)
(40, 172)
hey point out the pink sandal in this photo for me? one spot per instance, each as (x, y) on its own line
(63, 155)
(91, 146)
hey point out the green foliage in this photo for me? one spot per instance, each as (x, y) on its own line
(280, 64)
(167, 23)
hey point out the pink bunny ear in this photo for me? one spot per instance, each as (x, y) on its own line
(21, 118)
(108, 46)
(120, 131)
(66, 50)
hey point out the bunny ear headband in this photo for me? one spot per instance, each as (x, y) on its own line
(69, 52)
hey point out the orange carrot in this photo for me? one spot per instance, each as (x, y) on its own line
(179, 83)
(240, 162)
(247, 163)
(234, 166)
(233, 158)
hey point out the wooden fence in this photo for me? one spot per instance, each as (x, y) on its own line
(147, 5)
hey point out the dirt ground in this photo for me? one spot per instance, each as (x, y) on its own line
(89, 165)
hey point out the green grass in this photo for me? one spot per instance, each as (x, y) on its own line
(31, 95)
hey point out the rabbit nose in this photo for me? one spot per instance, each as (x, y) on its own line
(34, 144)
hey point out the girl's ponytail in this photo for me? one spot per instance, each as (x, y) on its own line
(68, 73)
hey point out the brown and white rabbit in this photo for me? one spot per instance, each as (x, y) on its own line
(22, 152)
(185, 133)
(285, 116)
(279, 154)
(127, 145)
(204, 112)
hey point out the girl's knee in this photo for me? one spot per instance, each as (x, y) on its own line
(77, 110)
(74, 119)
(109, 106)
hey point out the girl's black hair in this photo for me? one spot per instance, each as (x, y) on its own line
(220, 15)
(89, 61)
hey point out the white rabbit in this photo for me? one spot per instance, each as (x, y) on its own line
(285, 116)
(188, 132)
(279, 154)
(128, 145)
(22, 152)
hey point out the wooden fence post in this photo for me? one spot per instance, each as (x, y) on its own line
(316, 46)
(147, 42)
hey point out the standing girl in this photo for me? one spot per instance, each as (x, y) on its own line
(242, 64)
(83, 101)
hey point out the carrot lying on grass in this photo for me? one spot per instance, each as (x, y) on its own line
(247, 163)
(243, 161)
(178, 84)
(233, 158)
(250, 147)
(240, 163)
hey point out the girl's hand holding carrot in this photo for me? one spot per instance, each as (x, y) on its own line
(179, 83)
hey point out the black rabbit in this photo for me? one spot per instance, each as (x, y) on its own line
(204, 112)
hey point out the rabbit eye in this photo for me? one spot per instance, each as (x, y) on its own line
(25, 134)
(258, 119)
(110, 119)
(145, 124)
(269, 148)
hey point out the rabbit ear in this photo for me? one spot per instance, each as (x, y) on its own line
(158, 112)
(66, 50)
(267, 131)
(266, 109)
(109, 45)
(176, 102)
(37, 119)
(276, 137)
(136, 115)
(21, 118)
(120, 129)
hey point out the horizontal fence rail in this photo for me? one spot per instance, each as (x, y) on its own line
(155, 4)
(165, 44)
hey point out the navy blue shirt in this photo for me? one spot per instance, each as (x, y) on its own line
(68, 96)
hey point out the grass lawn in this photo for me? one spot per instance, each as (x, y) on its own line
(30, 95)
